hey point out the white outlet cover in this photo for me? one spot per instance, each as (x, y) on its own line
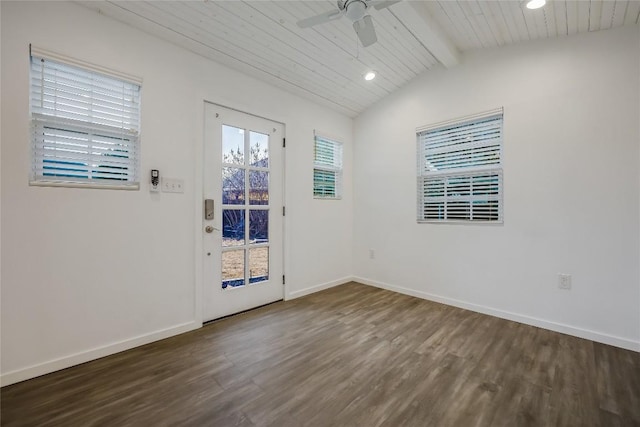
(564, 281)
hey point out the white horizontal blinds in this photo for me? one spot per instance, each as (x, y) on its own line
(68, 150)
(474, 197)
(466, 145)
(85, 125)
(328, 153)
(69, 92)
(327, 172)
(460, 170)
(324, 183)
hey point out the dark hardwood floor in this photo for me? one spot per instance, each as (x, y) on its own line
(348, 356)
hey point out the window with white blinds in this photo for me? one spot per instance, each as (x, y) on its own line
(84, 126)
(327, 170)
(460, 170)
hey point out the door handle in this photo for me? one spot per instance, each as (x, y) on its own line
(210, 228)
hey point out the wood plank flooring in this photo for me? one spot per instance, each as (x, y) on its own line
(348, 356)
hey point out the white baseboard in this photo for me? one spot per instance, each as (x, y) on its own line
(96, 353)
(527, 320)
(317, 288)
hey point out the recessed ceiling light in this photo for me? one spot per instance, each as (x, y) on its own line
(370, 76)
(535, 4)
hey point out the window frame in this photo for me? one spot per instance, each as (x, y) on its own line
(335, 167)
(478, 182)
(46, 127)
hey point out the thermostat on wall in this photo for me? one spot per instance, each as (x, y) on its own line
(155, 181)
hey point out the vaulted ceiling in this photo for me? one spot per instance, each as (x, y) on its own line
(326, 63)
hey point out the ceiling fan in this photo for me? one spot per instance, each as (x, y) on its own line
(356, 11)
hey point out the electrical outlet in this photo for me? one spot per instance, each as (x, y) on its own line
(172, 185)
(564, 281)
(372, 254)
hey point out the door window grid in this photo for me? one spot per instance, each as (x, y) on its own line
(245, 197)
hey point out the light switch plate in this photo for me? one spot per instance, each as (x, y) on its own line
(172, 185)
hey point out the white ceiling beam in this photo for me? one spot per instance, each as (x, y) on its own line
(416, 17)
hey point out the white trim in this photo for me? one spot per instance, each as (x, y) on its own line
(327, 197)
(96, 353)
(482, 223)
(520, 318)
(471, 117)
(318, 288)
(199, 209)
(285, 220)
(59, 57)
(72, 184)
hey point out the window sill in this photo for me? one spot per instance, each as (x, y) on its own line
(326, 198)
(71, 184)
(461, 222)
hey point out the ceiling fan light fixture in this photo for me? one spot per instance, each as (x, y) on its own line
(370, 75)
(535, 4)
(355, 10)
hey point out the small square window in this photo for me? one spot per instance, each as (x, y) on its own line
(327, 170)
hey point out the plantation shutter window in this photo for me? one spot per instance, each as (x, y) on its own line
(460, 170)
(327, 170)
(85, 125)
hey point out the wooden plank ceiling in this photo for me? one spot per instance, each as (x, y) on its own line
(326, 63)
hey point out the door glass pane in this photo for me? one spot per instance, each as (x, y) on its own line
(232, 227)
(233, 268)
(259, 144)
(232, 186)
(258, 264)
(258, 226)
(258, 187)
(232, 145)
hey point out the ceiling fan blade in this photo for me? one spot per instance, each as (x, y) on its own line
(319, 19)
(381, 4)
(365, 31)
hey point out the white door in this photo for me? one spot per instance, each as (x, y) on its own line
(243, 168)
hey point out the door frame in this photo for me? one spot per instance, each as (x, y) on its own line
(198, 192)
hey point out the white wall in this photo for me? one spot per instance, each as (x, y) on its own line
(89, 272)
(571, 169)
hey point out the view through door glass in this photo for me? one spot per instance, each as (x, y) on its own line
(245, 207)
